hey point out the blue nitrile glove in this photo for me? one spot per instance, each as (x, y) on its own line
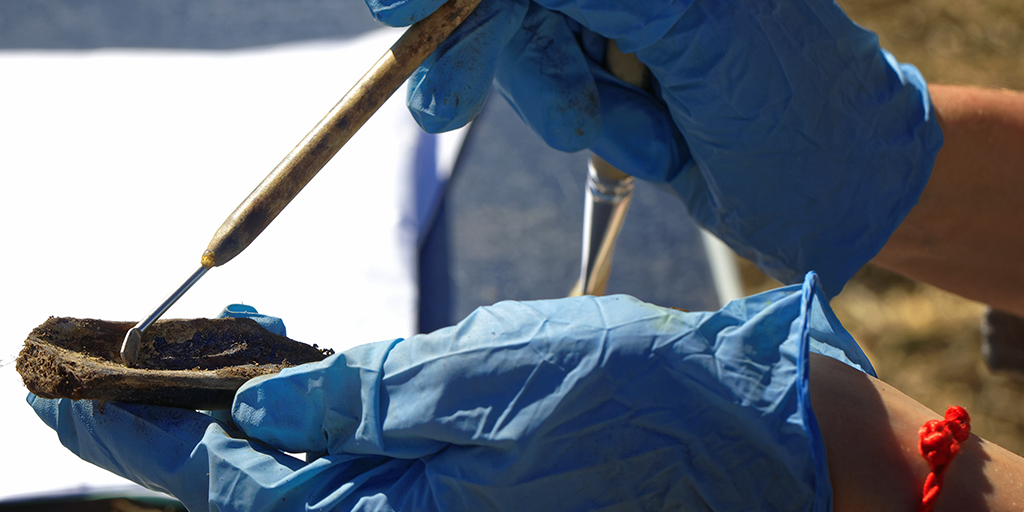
(783, 126)
(270, 323)
(574, 404)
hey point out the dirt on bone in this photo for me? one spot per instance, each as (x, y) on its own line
(196, 363)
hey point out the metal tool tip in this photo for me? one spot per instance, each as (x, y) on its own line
(130, 347)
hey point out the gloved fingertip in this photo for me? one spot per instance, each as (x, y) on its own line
(545, 77)
(37, 402)
(47, 409)
(401, 13)
(270, 323)
(433, 117)
(236, 310)
(449, 89)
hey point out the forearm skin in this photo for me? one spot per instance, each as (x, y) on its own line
(966, 235)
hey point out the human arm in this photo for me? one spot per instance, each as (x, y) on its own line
(964, 235)
(871, 435)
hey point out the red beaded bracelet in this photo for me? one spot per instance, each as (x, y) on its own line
(940, 442)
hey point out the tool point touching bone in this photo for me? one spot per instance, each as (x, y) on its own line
(130, 347)
(132, 340)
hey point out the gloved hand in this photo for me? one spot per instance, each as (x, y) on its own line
(783, 126)
(571, 405)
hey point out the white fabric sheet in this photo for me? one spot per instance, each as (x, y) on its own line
(119, 165)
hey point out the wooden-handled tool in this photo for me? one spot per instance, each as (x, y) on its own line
(314, 151)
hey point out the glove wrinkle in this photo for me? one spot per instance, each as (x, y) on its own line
(845, 183)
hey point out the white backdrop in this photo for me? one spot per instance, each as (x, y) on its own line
(119, 165)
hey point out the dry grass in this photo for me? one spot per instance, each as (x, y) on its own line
(968, 42)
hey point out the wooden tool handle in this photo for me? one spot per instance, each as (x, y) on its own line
(334, 130)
